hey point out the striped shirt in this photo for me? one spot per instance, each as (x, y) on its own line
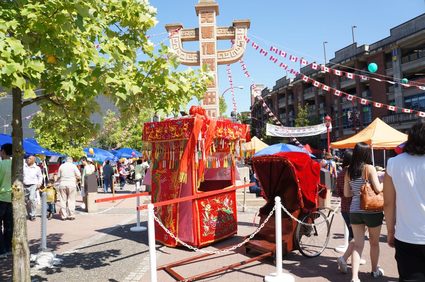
(356, 185)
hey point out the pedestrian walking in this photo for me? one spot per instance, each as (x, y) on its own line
(51, 198)
(6, 212)
(68, 175)
(404, 206)
(33, 179)
(140, 171)
(108, 173)
(358, 171)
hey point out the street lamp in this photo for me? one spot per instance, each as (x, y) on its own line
(328, 121)
(352, 32)
(237, 87)
(324, 49)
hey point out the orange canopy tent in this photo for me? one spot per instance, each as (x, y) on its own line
(378, 135)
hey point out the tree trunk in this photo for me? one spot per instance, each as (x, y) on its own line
(20, 249)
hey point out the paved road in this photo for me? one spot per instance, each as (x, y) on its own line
(100, 247)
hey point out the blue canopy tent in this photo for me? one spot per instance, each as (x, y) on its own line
(31, 146)
(99, 155)
(281, 147)
(126, 153)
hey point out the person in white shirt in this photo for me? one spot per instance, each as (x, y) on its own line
(68, 175)
(404, 205)
(33, 179)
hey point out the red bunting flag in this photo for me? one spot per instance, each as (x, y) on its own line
(338, 72)
(305, 78)
(325, 87)
(292, 58)
(421, 87)
(364, 101)
(421, 114)
(350, 97)
(377, 105)
(282, 53)
(325, 69)
(304, 62)
(392, 108)
(316, 83)
(349, 75)
(263, 52)
(273, 59)
(283, 66)
(314, 66)
(292, 71)
(255, 45)
(407, 111)
(274, 49)
(247, 39)
(363, 77)
(337, 93)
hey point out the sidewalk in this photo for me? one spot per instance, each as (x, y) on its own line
(101, 247)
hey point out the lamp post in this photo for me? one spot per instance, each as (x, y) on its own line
(328, 121)
(352, 32)
(324, 50)
(227, 89)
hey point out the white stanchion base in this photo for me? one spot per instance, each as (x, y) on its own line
(341, 249)
(138, 228)
(284, 277)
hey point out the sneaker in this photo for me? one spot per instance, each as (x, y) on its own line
(378, 273)
(342, 265)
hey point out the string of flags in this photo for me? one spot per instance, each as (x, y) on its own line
(229, 76)
(276, 54)
(257, 95)
(334, 91)
(362, 101)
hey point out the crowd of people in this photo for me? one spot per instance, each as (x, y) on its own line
(63, 186)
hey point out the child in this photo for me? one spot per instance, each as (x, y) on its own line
(51, 198)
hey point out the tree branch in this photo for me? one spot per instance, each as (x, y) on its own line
(36, 99)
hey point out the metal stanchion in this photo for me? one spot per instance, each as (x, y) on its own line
(43, 246)
(138, 228)
(151, 236)
(343, 248)
(278, 275)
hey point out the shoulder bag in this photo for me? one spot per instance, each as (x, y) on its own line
(369, 199)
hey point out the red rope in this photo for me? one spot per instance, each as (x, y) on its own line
(198, 196)
(121, 197)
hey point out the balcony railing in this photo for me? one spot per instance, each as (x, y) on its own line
(399, 118)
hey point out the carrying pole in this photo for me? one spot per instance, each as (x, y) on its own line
(278, 275)
(151, 236)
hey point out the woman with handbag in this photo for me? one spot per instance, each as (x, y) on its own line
(360, 176)
(404, 194)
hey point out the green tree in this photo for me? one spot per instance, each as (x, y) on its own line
(302, 116)
(71, 52)
(222, 105)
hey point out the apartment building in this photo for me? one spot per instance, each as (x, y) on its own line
(400, 55)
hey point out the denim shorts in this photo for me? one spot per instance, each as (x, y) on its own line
(369, 219)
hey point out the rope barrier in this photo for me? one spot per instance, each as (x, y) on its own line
(109, 199)
(197, 196)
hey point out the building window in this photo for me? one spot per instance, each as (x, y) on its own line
(416, 102)
(367, 115)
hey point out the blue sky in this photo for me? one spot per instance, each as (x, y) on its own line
(299, 27)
